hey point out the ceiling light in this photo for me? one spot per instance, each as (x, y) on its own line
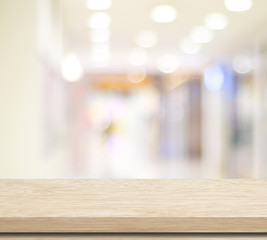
(201, 34)
(243, 64)
(216, 21)
(138, 56)
(71, 68)
(146, 39)
(168, 63)
(164, 14)
(99, 35)
(189, 47)
(99, 20)
(238, 5)
(98, 4)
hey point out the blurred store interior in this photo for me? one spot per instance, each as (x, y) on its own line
(133, 89)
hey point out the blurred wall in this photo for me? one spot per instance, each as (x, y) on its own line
(20, 127)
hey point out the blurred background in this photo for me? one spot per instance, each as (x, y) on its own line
(133, 89)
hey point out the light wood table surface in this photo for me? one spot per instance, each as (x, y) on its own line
(133, 206)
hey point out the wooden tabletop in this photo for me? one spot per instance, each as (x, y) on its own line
(132, 206)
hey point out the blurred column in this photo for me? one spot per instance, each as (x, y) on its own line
(213, 133)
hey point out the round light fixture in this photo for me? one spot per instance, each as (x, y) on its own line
(98, 4)
(164, 14)
(238, 5)
(216, 21)
(201, 34)
(99, 20)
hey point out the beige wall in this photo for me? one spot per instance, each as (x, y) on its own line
(20, 98)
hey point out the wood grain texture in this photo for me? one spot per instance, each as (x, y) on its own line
(133, 206)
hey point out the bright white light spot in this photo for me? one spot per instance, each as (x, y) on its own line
(99, 35)
(214, 78)
(99, 20)
(164, 14)
(189, 47)
(71, 68)
(168, 63)
(238, 5)
(138, 56)
(243, 64)
(201, 34)
(136, 74)
(98, 4)
(216, 21)
(146, 39)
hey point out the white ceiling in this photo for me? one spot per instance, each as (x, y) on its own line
(129, 17)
